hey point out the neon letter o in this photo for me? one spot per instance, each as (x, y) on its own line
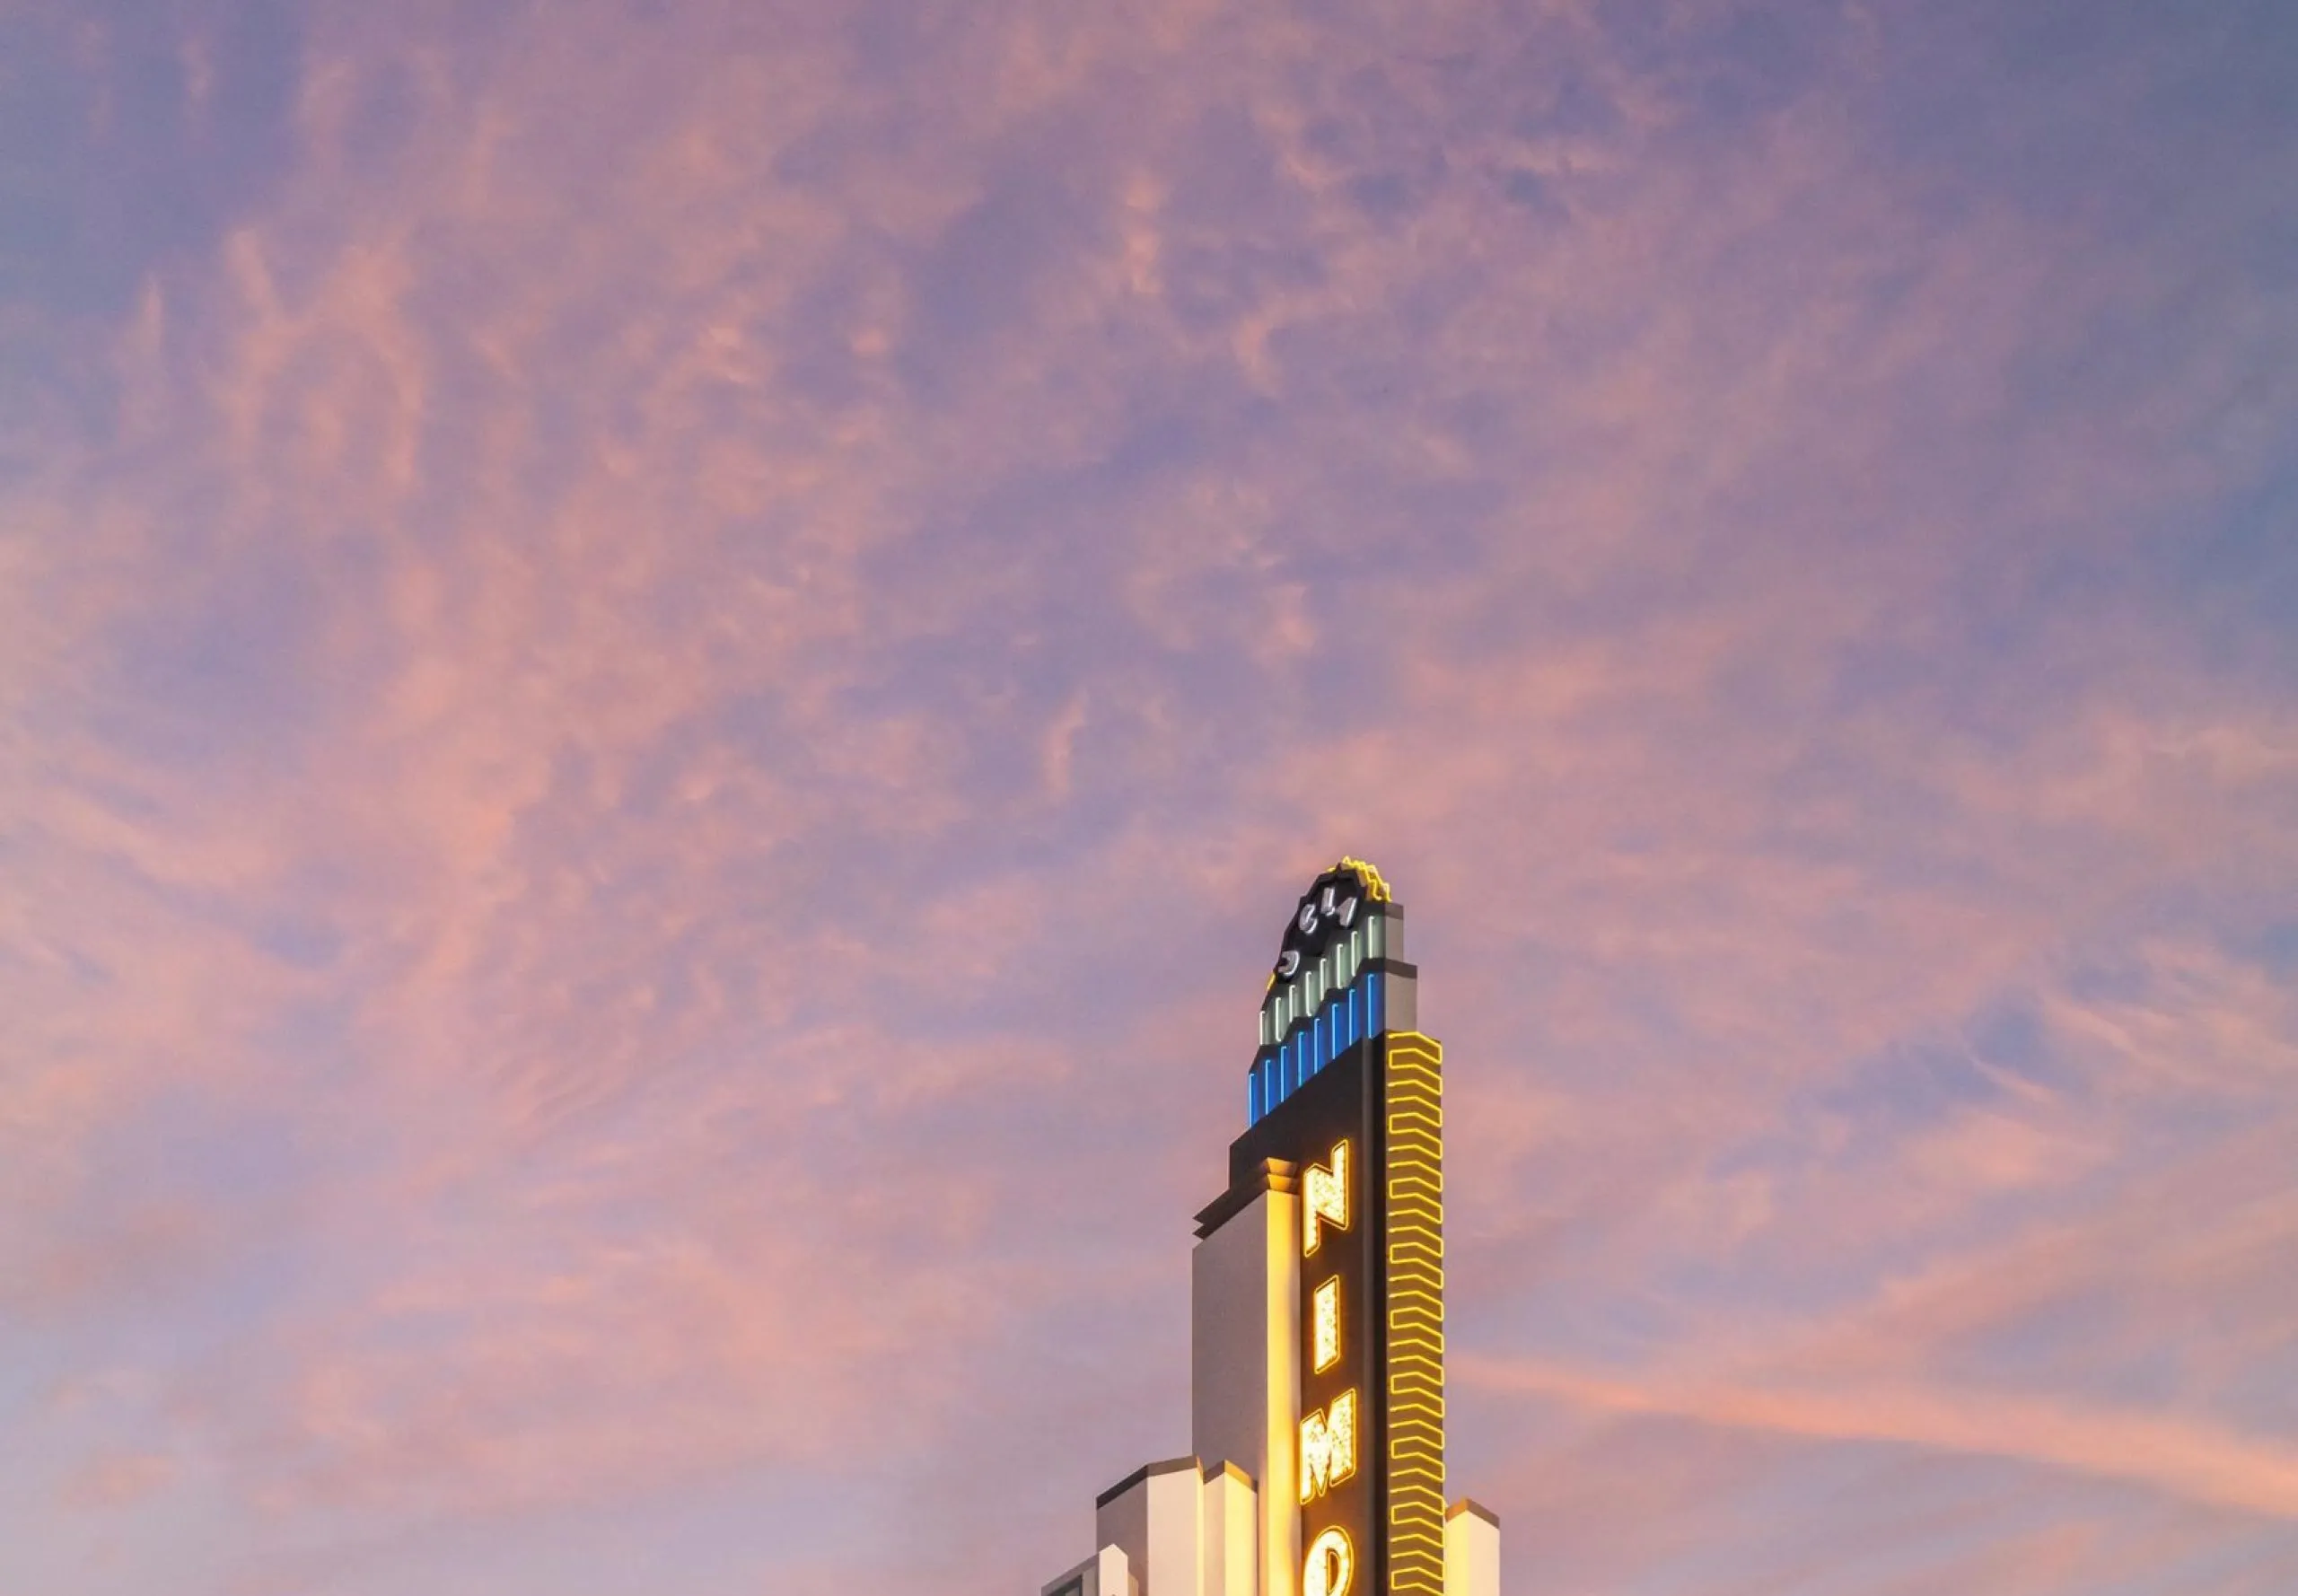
(1331, 1564)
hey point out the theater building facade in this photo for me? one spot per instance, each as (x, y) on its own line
(1317, 1341)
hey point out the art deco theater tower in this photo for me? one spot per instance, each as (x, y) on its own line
(1316, 1409)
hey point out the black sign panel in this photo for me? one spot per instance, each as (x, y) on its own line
(1337, 1127)
(1354, 1130)
(1331, 905)
(1328, 1114)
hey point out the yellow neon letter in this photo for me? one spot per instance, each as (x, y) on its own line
(1324, 1325)
(1331, 1563)
(1324, 1197)
(1327, 1446)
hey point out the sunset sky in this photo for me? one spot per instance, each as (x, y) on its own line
(666, 667)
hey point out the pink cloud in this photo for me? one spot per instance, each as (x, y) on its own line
(2206, 1465)
(809, 600)
(118, 1481)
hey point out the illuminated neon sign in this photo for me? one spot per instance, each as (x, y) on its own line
(1345, 1099)
(1324, 1198)
(1332, 1562)
(1327, 1446)
(1324, 1326)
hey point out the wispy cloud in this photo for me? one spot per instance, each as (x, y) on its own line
(657, 671)
(2216, 1467)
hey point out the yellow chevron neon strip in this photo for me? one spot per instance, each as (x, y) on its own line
(1414, 1179)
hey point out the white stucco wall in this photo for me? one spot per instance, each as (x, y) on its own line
(1471, 1551)
(1244, 1353)
(1176, 1534)
(1104, 1574)
(1232, 1532)
(1157, 1520)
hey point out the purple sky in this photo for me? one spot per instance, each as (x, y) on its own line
(665, 668)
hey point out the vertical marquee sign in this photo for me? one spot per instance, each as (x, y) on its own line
(1344, 1108)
